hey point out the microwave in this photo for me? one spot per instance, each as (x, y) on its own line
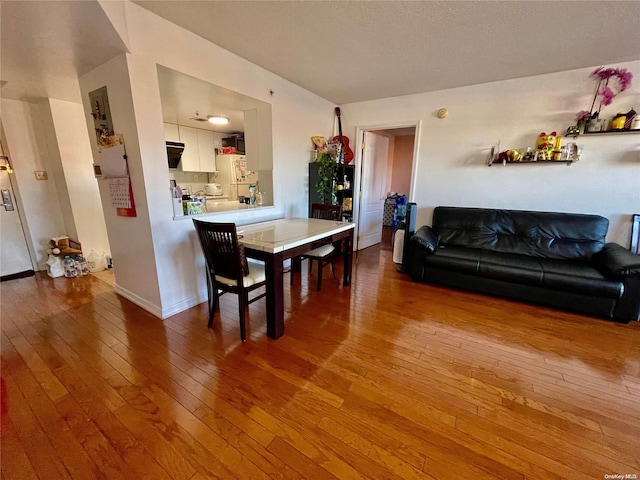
(236, 142)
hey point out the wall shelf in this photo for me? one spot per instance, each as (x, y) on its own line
(557, 162)
(606, 132)
(493, 158)
(611, 132)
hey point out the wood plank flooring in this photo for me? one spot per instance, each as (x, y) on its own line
(385, 379)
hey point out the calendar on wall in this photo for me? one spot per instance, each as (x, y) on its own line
(119, 191)
(122, 196)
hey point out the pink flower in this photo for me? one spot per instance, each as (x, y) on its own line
(624, 77)
(604, 87)
(583, 115)
(607, 96)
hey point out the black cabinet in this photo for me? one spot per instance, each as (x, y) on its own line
(343, 193)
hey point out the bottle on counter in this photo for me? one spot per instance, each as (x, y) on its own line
(252, 194)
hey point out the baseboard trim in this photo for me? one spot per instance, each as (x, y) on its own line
(183, 305)
(153, 309)
(15, 276)
(158, 311)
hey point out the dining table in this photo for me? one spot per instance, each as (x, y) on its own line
(277, 240)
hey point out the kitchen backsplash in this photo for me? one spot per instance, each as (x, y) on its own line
(191, 182)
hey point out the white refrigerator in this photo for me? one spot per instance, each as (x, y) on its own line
(234, 176)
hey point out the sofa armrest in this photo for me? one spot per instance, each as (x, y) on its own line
(615, 261)
(426, 238)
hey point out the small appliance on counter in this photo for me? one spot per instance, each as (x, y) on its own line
(213, 189)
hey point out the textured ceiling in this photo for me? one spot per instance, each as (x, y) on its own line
(348, 51)
(45, 46)
(345, 51)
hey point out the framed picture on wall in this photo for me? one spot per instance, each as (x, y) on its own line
(99, 100)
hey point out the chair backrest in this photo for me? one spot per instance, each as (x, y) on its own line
(224, 256)
(326, 212)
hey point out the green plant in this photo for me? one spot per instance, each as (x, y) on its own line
(327, 170)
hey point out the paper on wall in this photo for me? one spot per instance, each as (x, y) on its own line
(112, 162)
(119, 191)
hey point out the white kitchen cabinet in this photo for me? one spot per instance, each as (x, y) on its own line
(199, 153)
(190, 161)
(206, 151)
(171, 133)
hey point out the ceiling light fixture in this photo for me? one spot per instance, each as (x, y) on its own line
(218, 119)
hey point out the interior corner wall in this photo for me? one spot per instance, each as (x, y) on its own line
(81, 185)
(402, 163)
(130, 238)
(41, 213)
(452, 152)
(50, 149)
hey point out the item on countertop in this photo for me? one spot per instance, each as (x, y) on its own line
(636, 123)
(194, 207)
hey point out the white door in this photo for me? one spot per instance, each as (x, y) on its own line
(373, 177)
(14, 254)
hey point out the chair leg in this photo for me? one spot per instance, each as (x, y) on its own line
(242, 303)
(333, 270)
(212, 294)
(319, 273)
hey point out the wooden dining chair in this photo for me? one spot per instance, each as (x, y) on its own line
(227, 268)
(324, 254)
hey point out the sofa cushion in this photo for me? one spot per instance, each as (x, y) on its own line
(579, 277)
(537, 234)
(559, 275)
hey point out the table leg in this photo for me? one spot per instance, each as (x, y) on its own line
(348, 259)
(275, 296)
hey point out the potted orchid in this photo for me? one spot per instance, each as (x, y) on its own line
(611, 81)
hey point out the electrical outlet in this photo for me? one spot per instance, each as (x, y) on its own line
(196, 177)
(41, 175)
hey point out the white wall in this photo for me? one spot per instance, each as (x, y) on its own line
(452, 152)
(166, 250)
(76, 160)
(130, 238)
(51, 135)
(39, 199)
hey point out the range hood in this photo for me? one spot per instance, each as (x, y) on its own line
(174, 153)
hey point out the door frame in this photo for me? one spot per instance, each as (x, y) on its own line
(19, 206)
(360, 129)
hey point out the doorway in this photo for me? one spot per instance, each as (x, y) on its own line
(15, 260)
(385, 161)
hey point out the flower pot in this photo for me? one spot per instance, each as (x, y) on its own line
(594, 125)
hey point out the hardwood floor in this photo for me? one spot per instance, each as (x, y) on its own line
(385, 379)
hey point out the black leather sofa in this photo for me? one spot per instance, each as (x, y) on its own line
(555, 259)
